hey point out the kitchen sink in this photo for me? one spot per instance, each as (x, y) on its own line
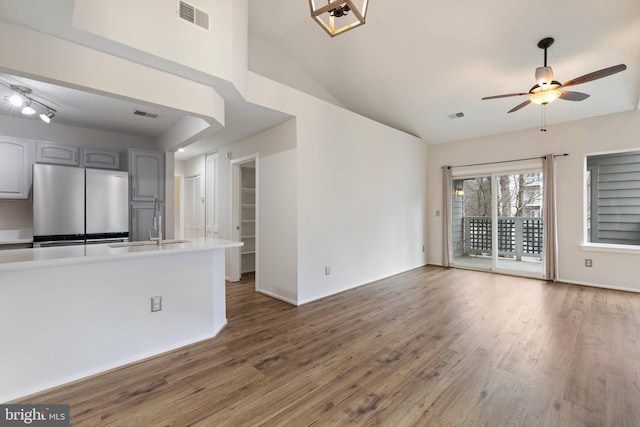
(147, 243)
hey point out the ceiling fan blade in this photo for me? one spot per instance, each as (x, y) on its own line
(519, 106)
(596, 75)
(574, 96)
(505, 96)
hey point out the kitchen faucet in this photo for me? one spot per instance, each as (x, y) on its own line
(155, 233)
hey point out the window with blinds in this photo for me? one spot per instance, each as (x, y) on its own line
(613, 206)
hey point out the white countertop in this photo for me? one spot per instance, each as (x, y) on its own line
(18, 236)
(18, 259)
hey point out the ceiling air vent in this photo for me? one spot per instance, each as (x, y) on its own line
(456, 115)
(145, 114)
(194, 15)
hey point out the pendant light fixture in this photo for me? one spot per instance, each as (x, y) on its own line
(338, 16)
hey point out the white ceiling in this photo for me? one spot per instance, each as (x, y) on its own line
(78, 108)
(412, 65)
(415, 62)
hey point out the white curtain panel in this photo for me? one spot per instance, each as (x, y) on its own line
(549, 227)
(447, 252)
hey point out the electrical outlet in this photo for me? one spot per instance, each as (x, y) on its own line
(588, 262)
(422, 248)
(156, 303)
(437, 213)
(327, 270)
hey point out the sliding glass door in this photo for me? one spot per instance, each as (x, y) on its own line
(497, 222)
(472, 212)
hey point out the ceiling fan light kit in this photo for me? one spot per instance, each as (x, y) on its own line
(338, 16)
(548, 90)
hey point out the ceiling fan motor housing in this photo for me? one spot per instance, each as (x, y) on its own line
(544, 75)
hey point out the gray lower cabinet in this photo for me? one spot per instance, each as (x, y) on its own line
(57, 154)
(15, 171)
(141, 221)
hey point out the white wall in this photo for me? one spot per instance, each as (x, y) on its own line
(154, 26)
(605, 133)
(194, 166)
(361, 189)
(267, 60)
(362, 201)
(39, 56)
(277, 206)
(67, 327)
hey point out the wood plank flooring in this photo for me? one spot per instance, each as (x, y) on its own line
(430, 347)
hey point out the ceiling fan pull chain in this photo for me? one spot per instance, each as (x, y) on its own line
(543, 126)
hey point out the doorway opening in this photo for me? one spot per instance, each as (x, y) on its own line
(245, 198)
(497, 222)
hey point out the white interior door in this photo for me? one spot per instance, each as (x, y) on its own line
(211, 197)
(194, 208)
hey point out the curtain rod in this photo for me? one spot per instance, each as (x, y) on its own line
(505, 161)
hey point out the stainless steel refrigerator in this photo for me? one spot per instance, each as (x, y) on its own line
(79, 206)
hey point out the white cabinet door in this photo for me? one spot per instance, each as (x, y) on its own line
(146, 169)
(57, 154)
(15, 171)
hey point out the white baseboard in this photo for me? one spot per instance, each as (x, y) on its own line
(598, 285)
(276, 296)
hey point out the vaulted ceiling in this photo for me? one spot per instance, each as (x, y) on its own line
(416, 62)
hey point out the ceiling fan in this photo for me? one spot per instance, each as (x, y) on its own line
(547, 90)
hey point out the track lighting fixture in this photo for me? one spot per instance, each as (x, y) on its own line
(21, 97)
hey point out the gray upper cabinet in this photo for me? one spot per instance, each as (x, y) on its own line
(15, 173)
(57, 154)
(146, 170)
(101, 159)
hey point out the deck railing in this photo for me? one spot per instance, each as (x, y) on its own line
(517, 236)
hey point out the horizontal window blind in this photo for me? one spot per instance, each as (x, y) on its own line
(615, 198)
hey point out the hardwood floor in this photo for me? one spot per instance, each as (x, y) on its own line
(430, 347)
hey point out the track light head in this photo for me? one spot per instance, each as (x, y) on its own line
(16, 100)
(28, 110)
(47, 117)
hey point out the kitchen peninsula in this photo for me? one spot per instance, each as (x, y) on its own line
(73, 311)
